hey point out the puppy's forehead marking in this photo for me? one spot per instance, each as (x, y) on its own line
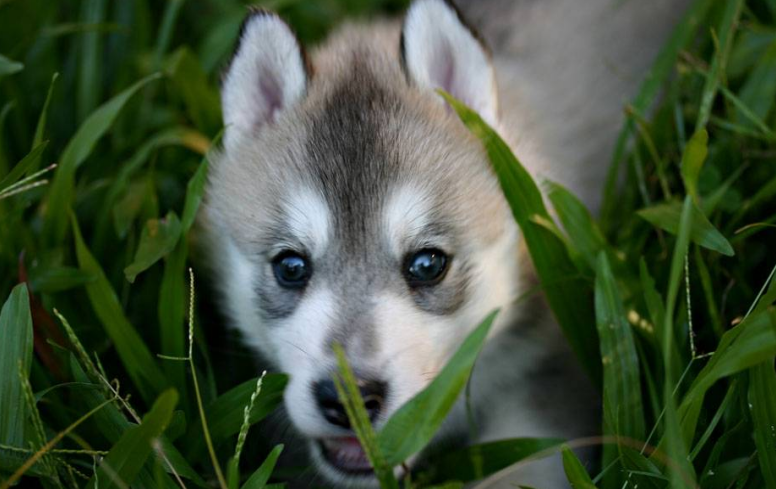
(308, 218)
(406, 215)
(352, 151)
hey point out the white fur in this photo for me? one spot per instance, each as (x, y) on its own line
(440, 52)
(242, 305)
(309, 219)
(497, 268)
(409, 354)
(405, 216)
(266, 76)
(300, 343)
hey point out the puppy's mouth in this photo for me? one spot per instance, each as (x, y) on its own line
(346, 455)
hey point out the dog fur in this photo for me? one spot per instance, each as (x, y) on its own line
(350, 158)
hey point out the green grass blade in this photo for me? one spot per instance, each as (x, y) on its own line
(175, 136)
(195, 191)
(652, 298)
(57, 279)
(759, 91)
(137, 359)
(477, 462)
(762, 130)
(83, 357)
(459, 485)
(766, 296)
(702, 231)
(714, 421)
(191, 83)
(711, 201)
(172, 318)
(42, 120)
(139, 201)
(125, 460)
(176, 463)
(725, 32)
(570, 297)
(15, 351)
(748, 344)
(657, 312)
(4, 157)
(575, 471)
(171, 13)
(9, 66)
(225, 413)
(75, 153)
(694, 156)
(172, 291)
(219, 42)
(641, 471)
(676, 445)
(751, 342)
(748, 48)
(350, 397)
(197, 391)
(710, 471)
(44, 451)
(708, 292)
(112, 424)
(259, 478)
(413, 425)
(762, 405)
(24, 167)
(233, 469)
(764, 194)
(89, 86)
(158, 239)
(577, 222)
(771, 4)
(623, 406)
(649, 90)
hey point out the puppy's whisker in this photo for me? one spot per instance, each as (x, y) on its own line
(302, 350)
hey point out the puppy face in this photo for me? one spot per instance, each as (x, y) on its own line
(351, 206)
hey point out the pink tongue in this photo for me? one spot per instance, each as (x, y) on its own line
(346, 452)
(350, 440)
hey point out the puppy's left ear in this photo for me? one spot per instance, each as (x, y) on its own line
(267, 76)
(440, 51)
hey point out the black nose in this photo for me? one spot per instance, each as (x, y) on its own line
(334, 412)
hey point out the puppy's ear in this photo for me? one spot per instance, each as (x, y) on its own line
(267, 75)
(440, 51)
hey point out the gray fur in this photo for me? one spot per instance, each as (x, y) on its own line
(355, 152)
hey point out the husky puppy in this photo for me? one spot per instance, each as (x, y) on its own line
(350, 205)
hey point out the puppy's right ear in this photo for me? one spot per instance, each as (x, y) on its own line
(267, 75)
(440, 50)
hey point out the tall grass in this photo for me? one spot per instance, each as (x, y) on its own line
(667, 298)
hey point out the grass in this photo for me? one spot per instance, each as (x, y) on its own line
(673, 285)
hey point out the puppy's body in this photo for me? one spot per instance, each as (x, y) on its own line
(566, 69)
(346, 169)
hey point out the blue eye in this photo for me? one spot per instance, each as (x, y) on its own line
(426, 267)
(292, 270)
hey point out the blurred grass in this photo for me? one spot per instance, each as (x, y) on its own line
(673, 308)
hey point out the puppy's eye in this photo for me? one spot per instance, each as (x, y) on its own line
(426, 267)
(292, 270)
